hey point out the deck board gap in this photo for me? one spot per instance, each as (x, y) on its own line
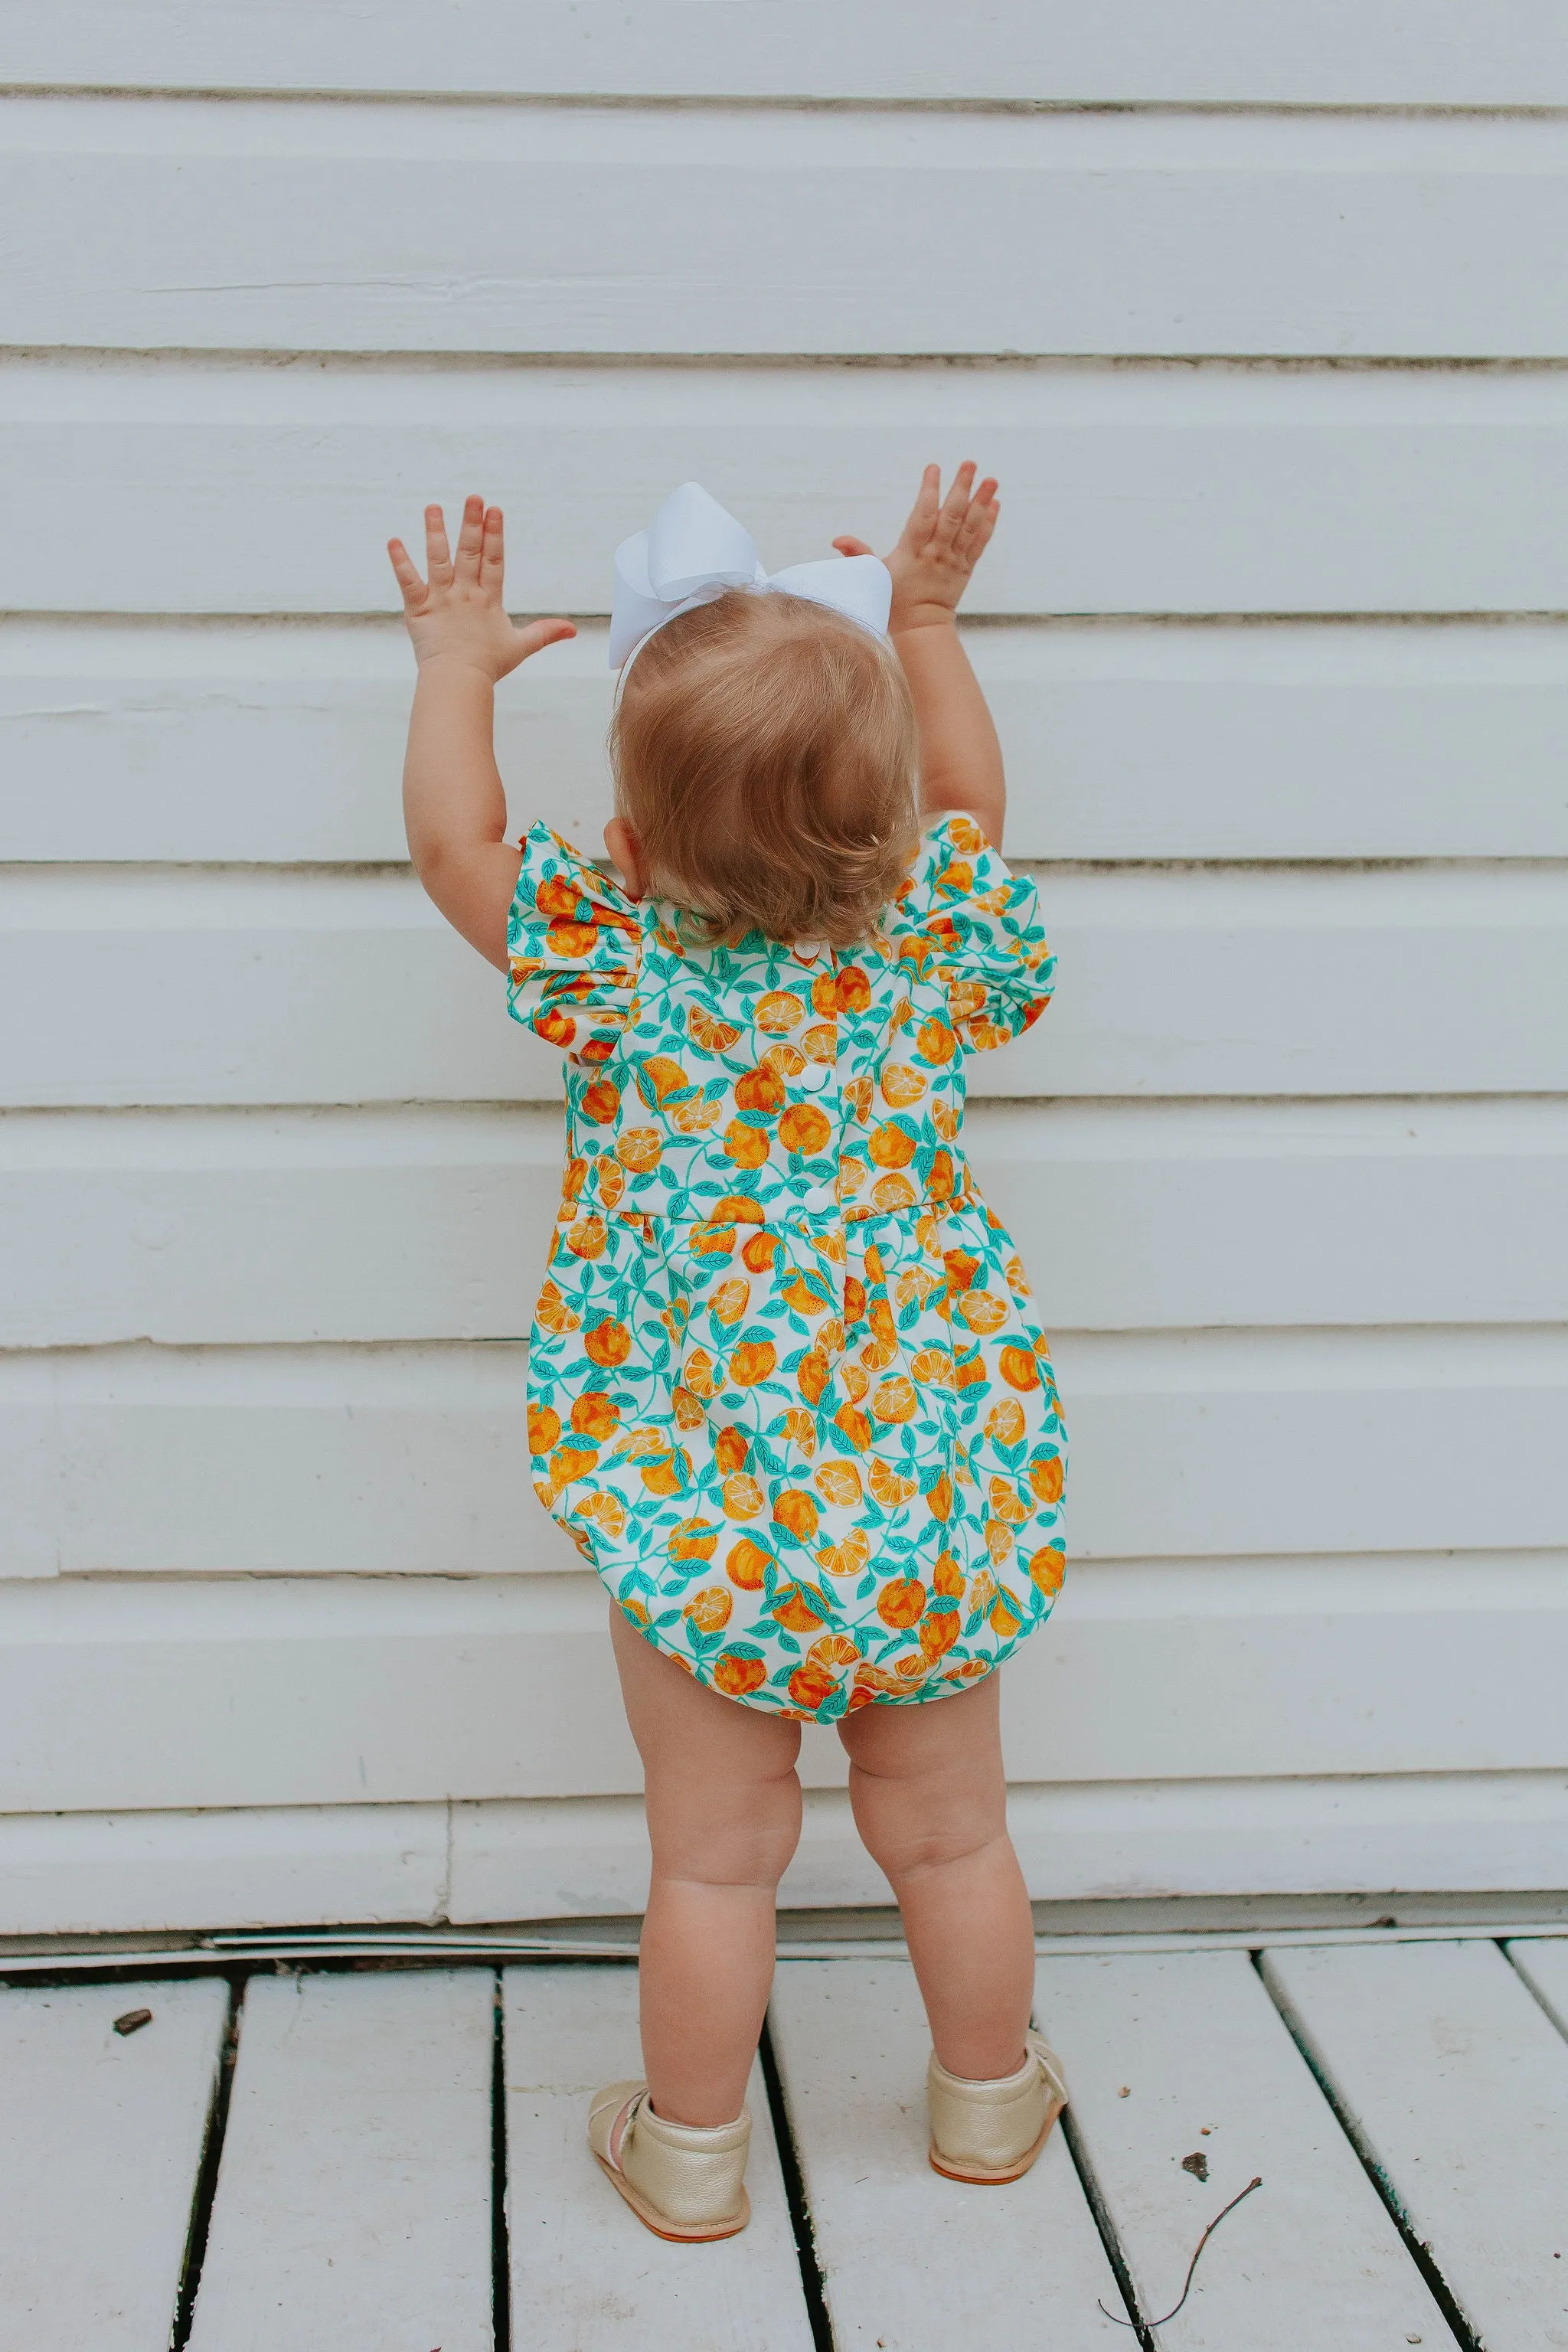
(500, 2235)
(205, 2185)
(1095, 2198)
(811, 2279)
(1442, 2294)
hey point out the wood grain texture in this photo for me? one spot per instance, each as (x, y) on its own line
(100, 2136)
(353, 2197)
(273, 742)
(1312, 2258)
(386, 1460)
(411, 1225)
(171, 224)
(1456, 2086)
(583, 2271)
(302, 987)
(909, 2259)
(186, 487)
(338, 1691)
(1442, 53)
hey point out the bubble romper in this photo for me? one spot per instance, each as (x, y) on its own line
(786, 1391)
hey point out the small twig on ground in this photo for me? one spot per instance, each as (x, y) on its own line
(1256, 2182)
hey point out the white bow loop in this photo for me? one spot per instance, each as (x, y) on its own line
(694, 548)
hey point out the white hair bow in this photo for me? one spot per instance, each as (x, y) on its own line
(693, 550)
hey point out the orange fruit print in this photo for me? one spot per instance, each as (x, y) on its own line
(784, 1389)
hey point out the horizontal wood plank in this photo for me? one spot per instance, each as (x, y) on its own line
(436, 1225)
(388, 1459)
(82, 1873)
(587, 1856)
(168, 224)
(905, 2260)
(277, 743)
(1443, 53)
(92, 1874)
(101, 2138)
(186, 487)
(353, 2197)
(581, 2279)
(309, 988)
(1455, 2088)
(337, 1691)
(1177, 2055)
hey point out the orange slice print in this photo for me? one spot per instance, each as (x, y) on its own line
(778, 1012)
(849, 1557)
(839, 1483)
(639, 1148)
(714, 1037)
(709, 1608)
(890, 1488)
(743, 1496)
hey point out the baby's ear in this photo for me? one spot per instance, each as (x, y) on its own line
(626, 851)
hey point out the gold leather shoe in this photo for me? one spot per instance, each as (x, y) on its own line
(993, 2131)
(682, 2180)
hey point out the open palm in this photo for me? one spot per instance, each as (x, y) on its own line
(942, 542)
(458, 611)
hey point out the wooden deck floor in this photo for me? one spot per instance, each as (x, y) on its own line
(391, 2159)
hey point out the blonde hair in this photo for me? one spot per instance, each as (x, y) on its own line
(765, 751)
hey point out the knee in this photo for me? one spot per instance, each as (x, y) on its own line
(909, 1828)
(743, 1836)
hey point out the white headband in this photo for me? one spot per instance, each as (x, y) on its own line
(693, 550)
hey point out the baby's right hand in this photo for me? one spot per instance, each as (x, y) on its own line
(458, 611)
(942, 542)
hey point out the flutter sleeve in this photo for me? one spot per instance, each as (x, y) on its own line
(573, 943)
(966, 920)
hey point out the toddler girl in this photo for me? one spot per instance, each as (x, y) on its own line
(785, 1391)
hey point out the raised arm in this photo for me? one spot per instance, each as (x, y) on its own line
(454, 808)
(961, 760)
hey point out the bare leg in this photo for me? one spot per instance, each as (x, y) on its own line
(929, 1798)
(723, 1817)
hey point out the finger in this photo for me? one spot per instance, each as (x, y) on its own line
(437, 554)
(539, 633)
(492, 552)
(409, 580)
(471, 539)
(851, 547)
(926, 507)
(955, 506)
(981, 519)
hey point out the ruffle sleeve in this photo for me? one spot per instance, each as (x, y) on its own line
(573, 943)
(964, 918)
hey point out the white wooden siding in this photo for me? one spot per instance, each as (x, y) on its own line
(221, 486)
(236, 741)
(1274, 632)
(1341, 52)
(175, 222)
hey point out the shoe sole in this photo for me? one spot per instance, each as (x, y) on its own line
(660, 2224)
(994, 2176)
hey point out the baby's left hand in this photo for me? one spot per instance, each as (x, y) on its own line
(942, 542)
(458, 612)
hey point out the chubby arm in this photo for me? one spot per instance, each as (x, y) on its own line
(454, 808)
(960, 759)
